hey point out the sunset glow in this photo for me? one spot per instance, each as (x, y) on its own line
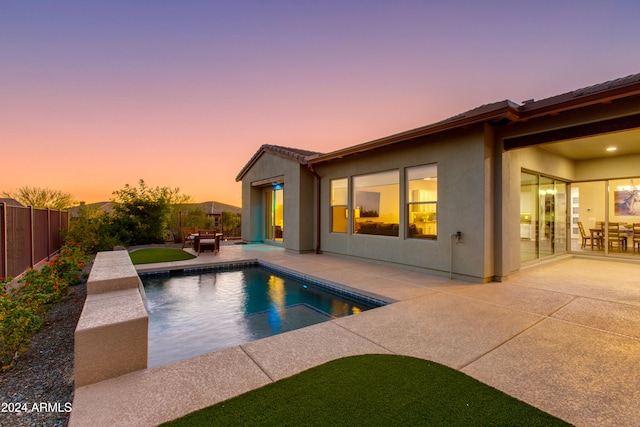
(98, 94)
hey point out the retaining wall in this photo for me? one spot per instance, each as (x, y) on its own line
(111, 338)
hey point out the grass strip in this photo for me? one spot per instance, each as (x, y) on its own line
(151, 255)
(373, 390)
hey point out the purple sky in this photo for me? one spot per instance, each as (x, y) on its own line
(97, 94)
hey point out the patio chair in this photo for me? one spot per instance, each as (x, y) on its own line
(188, 235)
(208, 242)
(636, 236)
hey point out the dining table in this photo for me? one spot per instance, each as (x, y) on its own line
(597, 234)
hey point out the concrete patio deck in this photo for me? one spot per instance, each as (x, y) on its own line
(564, 337)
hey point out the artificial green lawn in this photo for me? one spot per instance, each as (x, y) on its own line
(373, 390)
(151, 255)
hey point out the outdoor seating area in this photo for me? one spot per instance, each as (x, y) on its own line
(201, 240)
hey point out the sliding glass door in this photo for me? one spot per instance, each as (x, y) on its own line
(543, 216)
(606, 217)
(274, 213)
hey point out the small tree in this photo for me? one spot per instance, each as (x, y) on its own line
(141, 213)
(42, 198)
(183, 216)
(230, 221)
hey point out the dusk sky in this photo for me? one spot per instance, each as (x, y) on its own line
(98, 94)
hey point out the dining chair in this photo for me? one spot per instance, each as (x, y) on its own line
(586, 236)
(636, 237)
(615, 238)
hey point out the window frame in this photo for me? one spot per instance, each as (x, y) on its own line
(430, 217)
(381, 226)
(333, 206)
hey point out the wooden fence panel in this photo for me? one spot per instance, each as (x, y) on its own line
(18, 240)
(28, 236)
(55, 238)
(40, 235)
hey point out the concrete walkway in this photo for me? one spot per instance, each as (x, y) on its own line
(564, 337)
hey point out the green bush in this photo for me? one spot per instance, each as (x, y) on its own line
(141, 213)
(91, 231)
(19, 320)
(140, 216)
(22, 308)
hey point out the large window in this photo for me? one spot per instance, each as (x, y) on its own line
(376, 201)
(339, 205)
(422, 201)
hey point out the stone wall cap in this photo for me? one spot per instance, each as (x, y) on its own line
(98, 312)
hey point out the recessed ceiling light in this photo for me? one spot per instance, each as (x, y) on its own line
(612, 148)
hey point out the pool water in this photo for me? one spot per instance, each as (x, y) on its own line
(194, 314)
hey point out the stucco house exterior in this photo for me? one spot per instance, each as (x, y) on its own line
(477, 196)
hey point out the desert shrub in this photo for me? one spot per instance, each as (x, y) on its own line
(23, 307)
(92, 231)
(19, 320)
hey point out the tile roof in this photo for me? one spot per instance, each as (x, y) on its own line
(612, 84)
(216, 208)
(614, 88)
(10, 202)
(295, 154)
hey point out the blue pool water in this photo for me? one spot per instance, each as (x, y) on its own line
(194, 314)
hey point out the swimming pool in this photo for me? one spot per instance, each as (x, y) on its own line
(193, 313)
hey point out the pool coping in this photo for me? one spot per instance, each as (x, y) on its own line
(332, 287)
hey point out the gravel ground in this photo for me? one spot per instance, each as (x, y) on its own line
(44, 374)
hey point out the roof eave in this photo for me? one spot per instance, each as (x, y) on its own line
(570, 101)
(281, 152)
(249, 164)
(505, 109)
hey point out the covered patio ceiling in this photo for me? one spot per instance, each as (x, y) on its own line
(627, 142)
